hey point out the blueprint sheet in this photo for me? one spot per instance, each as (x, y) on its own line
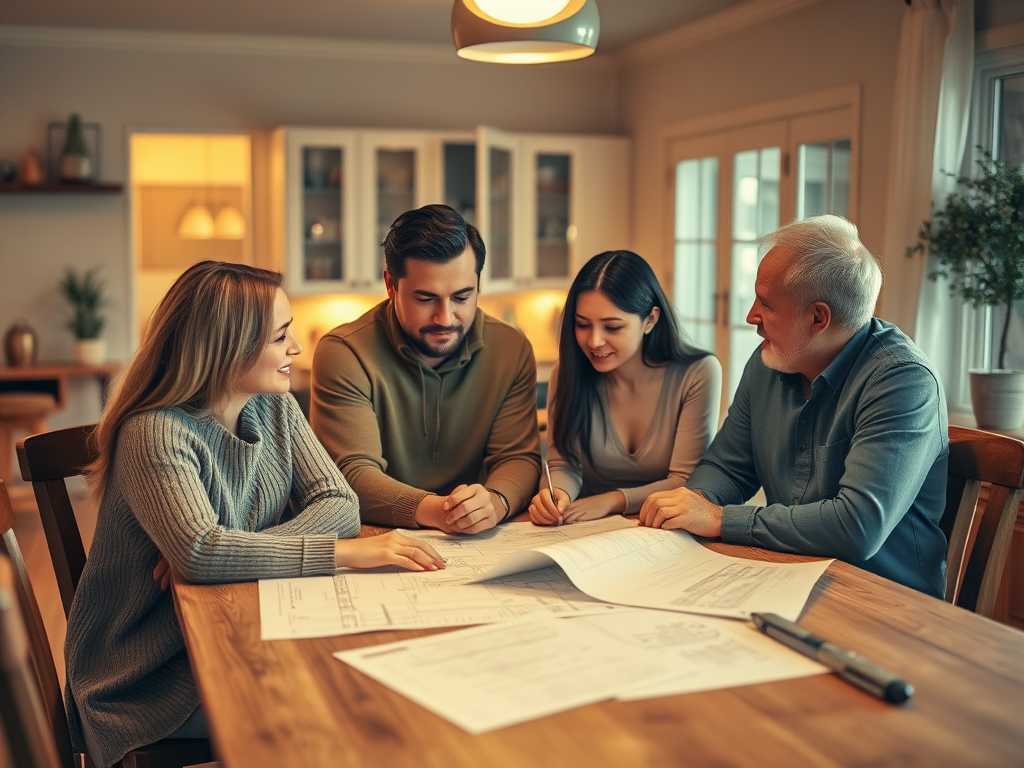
(390, 598)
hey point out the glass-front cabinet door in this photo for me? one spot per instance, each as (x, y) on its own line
(549, 254)
(498, 184)
(313, 209)
(394, 177)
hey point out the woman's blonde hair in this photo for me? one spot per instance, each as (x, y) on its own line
(206, 333)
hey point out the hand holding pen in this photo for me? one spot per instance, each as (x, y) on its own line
(548, 506)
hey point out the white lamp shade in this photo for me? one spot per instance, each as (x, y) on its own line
(572, 37)
(524, 13)
(196, 224)
(229, 224)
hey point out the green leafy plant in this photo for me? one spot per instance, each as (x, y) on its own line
(84, 292)
(978, 239)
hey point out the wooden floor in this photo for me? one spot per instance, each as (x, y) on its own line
(29, 531)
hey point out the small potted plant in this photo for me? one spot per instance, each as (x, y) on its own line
(84, 294)
(978, 242)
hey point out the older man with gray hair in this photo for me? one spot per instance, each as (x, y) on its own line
(838, 416)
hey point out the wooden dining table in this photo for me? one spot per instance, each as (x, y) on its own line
(290, 703)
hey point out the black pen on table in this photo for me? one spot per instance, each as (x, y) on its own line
(849, 666)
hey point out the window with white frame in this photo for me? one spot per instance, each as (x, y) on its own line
(997, 125)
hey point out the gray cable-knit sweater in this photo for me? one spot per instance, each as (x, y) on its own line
(182, 485)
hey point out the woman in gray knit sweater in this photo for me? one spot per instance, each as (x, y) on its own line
(200, 449)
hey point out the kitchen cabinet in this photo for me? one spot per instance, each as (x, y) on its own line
(544, 204)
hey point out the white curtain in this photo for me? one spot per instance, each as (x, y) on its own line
(942, 319)
(926, 26)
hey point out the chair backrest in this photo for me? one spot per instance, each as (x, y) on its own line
(48, 684)
(46, 461)
(977, 457)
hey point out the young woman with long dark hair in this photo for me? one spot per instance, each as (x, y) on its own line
(199, 451)
(632, 406)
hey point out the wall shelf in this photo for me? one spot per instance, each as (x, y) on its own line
(51, 187)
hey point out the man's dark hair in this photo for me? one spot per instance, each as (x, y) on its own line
(435, 233)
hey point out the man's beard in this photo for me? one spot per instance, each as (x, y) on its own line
(430, 350)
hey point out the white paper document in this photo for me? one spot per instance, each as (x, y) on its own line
(391, 598)
(703, 652)
(669, 570)
(500, 674)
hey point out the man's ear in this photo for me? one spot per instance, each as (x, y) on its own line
(390, 283)
(821, 317)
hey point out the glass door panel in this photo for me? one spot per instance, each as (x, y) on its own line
(823, 178)
(460, 179)
(396, 191)
(553, 173)
(321, 203)
(499, 205)
(696, 249)
(756, 212)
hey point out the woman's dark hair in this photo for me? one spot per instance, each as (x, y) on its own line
(631, 285)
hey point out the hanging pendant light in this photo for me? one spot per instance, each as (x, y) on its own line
(229, 224)
(525, 31)
(196, 224)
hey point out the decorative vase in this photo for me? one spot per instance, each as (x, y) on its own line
(75, 160)
(90, 351)
(997, 398)
(31, 171)
(20, 345)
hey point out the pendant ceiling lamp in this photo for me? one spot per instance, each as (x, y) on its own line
(198, 223)
(525, 31)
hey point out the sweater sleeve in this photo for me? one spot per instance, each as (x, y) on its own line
(697, 420)
(159, 470)
(342, 416)
(564, 473)
(512, 456)
(324, 500)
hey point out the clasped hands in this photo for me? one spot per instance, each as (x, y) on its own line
(679, 508)
(467, 509)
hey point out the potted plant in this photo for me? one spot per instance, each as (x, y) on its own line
(978, 241)
(84, 294)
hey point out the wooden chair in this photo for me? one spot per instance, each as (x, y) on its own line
(46, 461)
(977, 457)
(29, 717)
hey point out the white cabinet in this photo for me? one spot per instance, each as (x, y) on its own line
(313, 222)
(550, 202)
(544, 204)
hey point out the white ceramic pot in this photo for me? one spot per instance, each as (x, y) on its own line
(90, 351)
(998, 398)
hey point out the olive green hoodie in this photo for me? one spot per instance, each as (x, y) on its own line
(400, 430)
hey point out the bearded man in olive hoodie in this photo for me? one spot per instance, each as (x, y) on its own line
(428, 405)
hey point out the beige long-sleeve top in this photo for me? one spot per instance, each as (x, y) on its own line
(684, 422)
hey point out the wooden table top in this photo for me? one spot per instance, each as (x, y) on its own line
(290, 703)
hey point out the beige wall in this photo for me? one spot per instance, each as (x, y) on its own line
(824, 45)
(164, 82)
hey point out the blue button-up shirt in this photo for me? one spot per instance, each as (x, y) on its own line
(856, 472)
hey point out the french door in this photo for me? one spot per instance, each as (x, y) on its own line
(732, 187)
